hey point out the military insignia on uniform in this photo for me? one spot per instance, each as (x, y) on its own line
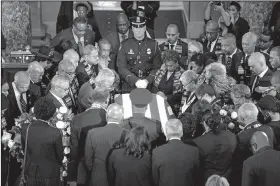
(130, 51)
(149, 51)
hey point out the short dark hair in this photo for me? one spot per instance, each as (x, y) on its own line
(99, 95)
(267, 32)
(236, 4)
(79, 20)
(81, 5)
(44, 108)
(170, 55)
(137, 142)
(214, 120)
(189, 122)
(205, 89)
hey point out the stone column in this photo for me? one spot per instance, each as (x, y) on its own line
(16, 26)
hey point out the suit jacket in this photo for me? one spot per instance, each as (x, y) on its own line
(216, 152)
(189, 101)
(114, 40)
(80, 126)
(65, 19)
(82, 75)
(232, 69)
(13, 110)
(153, 128)
(262, 169)
(45, 150)
(181, 48)
(121, 173)
(65, 40)
(175, 163)
(98, 143)
(217, 46)
(36, 91)
(242, 151)
(263, 82)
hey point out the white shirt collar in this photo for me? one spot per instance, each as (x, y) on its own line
(77, 39)
(17, 95)
(175, 44)
(213, 44)
(233, 53)
(58, 99)
(263, 73)
(174, 138)
(111, 122)
(265, 51)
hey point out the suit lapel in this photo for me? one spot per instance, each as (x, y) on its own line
(12, 99)
(55, 101)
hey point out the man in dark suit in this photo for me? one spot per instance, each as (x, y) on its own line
(70, 10)
(174, 43)
(150, 8)
(231, 56)
(248, 115)
(261, 169)
(265, 45)
(93, 117)
(249, 42)
(76, 37)
(35, 71)
(261, 80)
(211, 41)
(122, 33)
(175, 163)
(59, 89)
(99, 141)
(87, 69)
(19, 97)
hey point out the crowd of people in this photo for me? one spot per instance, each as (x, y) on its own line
(206, 112)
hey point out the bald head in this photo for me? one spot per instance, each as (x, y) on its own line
(122, 23)
(35, 71)
(172, 33)
(275, 80)
(275, 57)
(257, 62)
(259, 140)
(249, 41)
(22, 81)
(72, 56)
(212, 30)
(114, 113)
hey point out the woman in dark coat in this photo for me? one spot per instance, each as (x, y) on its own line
(131, 164)
(44, 147)
(216, 147)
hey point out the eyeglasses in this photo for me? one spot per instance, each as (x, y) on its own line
(64, 89)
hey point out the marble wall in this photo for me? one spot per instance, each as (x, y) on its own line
(16, 26)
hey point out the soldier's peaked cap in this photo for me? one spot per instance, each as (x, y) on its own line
(140, 97)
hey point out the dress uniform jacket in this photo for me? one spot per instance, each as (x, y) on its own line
(181, 48)
(80, 126)
(121, 173)
(216, 152)
(262, 169)
(44, 154)
(98, 143)
(138, 60)
(175, 163)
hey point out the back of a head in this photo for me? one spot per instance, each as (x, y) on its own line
(275, 79)
(66, 65)
(59, 80)
(205, 89)
(71, 55)
(115, 112)
(248, 111)
(188, 75)
(257, 57)
(35, 66)
(241, 90)
(105, 77)
(250, 37)
(44, 108)
(173, 129)
(21, 77)
(99, 95)
(216, 180)
(189, 123)
(261, 139)
(216, 69)
(276, 50)
(197, 45)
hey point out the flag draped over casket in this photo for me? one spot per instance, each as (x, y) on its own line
(158, 109)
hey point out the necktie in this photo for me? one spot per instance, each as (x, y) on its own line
(81, 48)
(256, 81)
(172, 47)
(123, 37)
(209, 46)
(228, 62)
(22, 104)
